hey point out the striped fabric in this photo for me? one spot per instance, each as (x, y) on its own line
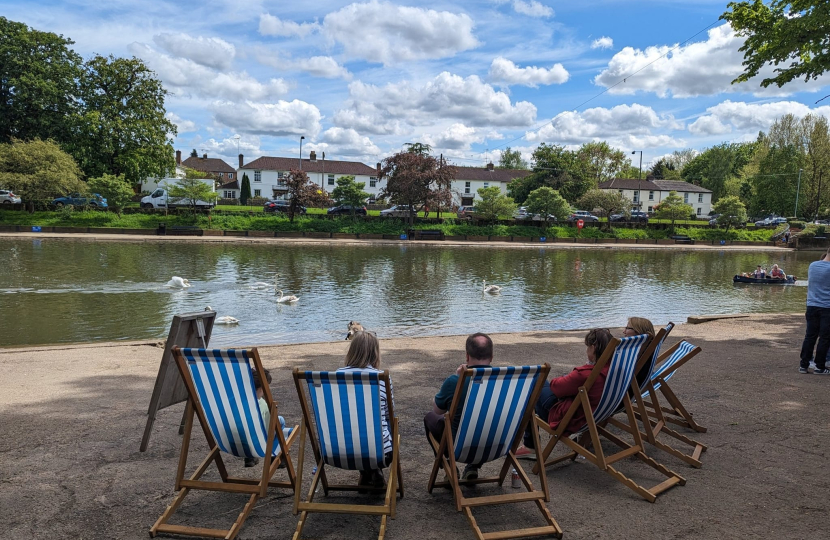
(682, 350)
(227, 395)
(493, 409)
(648, 370)
(348, 416)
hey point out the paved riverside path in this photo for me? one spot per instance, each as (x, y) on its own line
(71, 419)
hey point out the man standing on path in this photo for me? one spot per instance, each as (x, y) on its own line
(479, 353)
(818, 316)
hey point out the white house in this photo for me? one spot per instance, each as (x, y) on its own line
(646, 194)
(267, 174)
(468, 180)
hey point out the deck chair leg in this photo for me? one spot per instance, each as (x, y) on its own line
(234, 530)
(300, 524)
(300, 464)
(473, 524)
(382, 528)
(679, 409)
(169, 511)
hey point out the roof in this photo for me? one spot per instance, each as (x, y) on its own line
(678, 185)
(629, 183)
(207, 164)
(487, 175)
(234, 184)
(318, 166)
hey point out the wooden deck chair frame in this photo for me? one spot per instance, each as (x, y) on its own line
(592, 432)
(445, 458)
(393, 487)
(677, 414)
(255, 488)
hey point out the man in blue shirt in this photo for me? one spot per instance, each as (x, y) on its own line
(818, 316)
(479, 350)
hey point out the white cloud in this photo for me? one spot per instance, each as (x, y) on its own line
(182, 125)
(505, 71)
(324, 67)
(623, 126)
(185, 78)
(698, 69)
(211, 52)
(270, 25)
(749, 118)
(385, 33)
(226, 148)
(346, 142)
(280, 119)
(390, 108)
(456, 137)
(604, 42)
(532, 8)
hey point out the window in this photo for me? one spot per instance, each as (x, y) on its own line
(651, 209)
(486, 184)
(685, 198)
(221, 175)
(373, 182)
(636, 196)
(257, 193)
(699, 210)
(229, 194)
(651, 195)
(466, 187)
(619, 191)
(230, 175)
(700, 197)
(257, 176)
(331, 179)
(280, 175)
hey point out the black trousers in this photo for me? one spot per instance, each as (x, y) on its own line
(818, 328)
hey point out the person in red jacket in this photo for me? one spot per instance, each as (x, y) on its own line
(555, 399)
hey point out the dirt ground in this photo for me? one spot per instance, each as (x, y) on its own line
(71, 420)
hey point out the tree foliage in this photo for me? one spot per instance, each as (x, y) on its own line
(415, 179)
(494, 204)
(303, 192)
(512, 159)
(419, 148)
(555, 167)
(245, 189)
(38, 170)
(673, 208)
(599, 162)
(547, 202)
(732, 212)
(664, 169)
(608, 201)
(349, 192)
(715, 166)
(191, 190)
(114, 189)
(788, 34)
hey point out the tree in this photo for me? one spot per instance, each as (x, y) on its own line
(415, 179)
(512, 159)
(673, 208)
(303, 192)
(716, 166)
(608, 201)
(114, 189)
(787, 33)
(194, 153)
(732, 212)
(547, 202)
(555, 167)
(419, 148)
(494, 204)
(38, 171)
(245, 189)
(680, 158)
(122, 129)
(599, 162)
(38, 84)
(663, 169)
(191, 190)
(349, 192)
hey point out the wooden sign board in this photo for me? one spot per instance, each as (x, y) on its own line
(187, 330)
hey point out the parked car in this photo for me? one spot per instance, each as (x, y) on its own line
(7, 197)
(399, 210)
(583, 215)
(772, 221)
(635, 216)
(279, 205)
(344, 209)
(466, 212)
(714, 221)
(523, 215)
(76, 199)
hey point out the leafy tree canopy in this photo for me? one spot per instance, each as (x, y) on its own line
(415, 179)
(512, 159)
(303, 192)
(38, 170)
(732, 212)
(599, 162)
(673, 208)
(608, 201)
(547, 202)
(349, 192)
(494, 204)
(191, 190)
(114, 189)
(419, 148)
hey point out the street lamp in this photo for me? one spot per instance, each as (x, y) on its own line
(301, 152)
(795, 214)
(323, 174)
(639, 177)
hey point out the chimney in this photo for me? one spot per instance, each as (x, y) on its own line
(240, 161)
(178, 157)
(490, 166)
(312, 156)
(204, 156)
(378, 168)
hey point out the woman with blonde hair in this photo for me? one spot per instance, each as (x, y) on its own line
(364, 355)
(637, 326)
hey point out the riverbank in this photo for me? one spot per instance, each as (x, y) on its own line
(73, 417)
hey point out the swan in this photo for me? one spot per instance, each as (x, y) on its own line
(286, 299)
(225, 319)
(492, 289)
(178, 282)
(260, 285)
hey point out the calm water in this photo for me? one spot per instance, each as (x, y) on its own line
(55, 291)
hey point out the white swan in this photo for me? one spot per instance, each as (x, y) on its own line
(260, 285)
(286, 299)
(225, 319)
(492, 289)
(178, 282)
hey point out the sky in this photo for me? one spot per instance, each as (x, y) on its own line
(359, 81)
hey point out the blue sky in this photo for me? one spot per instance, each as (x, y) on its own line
(360, 80)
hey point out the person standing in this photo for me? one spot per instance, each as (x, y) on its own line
(818, 316)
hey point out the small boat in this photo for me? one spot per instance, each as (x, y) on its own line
(764, 281)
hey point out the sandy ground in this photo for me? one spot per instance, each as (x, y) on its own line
(72, 417)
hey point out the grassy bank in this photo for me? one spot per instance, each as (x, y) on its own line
(346, 224)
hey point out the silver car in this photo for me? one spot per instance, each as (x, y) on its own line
(7, 197)
(395, 211)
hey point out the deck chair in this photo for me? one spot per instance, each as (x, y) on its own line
(624, 356)
(675, 357)
(495, 413)
(221, 393)
(345, 407)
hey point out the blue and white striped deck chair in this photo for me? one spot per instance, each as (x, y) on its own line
(621, 356)
(345, 408)
(497, 407)
(221, 393)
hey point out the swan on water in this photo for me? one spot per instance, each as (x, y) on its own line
(225, 319)
(286, 299)
(492, 289)
(178, 282)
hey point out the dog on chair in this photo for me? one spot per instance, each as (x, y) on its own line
(354, 327)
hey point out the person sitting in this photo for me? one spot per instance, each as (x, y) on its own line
(637, 326)
(555, 399)
(777, 273)
(759, 273)
(364, 355)
(264, 410)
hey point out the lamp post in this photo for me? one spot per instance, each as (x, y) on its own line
(639, 177)
(301, 152)
(795, 213)
(323, 174)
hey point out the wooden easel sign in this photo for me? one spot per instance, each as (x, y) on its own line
(187, 330)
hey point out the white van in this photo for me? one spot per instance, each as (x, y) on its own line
(160, 199)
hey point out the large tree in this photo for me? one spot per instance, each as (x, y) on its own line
(413, 179)
(599, 162)
(494, 204)
(555, 167)
(512, 159)
(303, 192)
(38, 171)
(608, 201)
(122, 129)
(191, 191)
(547, 202)
(673, 208)
(349, 192)
(245, 189)
(716, 166)
(791, 35)
(732, 212)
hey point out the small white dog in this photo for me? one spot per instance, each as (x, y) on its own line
(354, 327)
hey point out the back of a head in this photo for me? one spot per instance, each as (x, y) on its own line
(641, 326)
(364, 351)
(480, 347)
(599, 338)
(258, 381)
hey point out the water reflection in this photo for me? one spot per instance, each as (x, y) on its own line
(72, 291)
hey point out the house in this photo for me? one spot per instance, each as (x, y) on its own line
(469, 179)
(214, 166)
(267, 174)
(646, 194)
(229, 190)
